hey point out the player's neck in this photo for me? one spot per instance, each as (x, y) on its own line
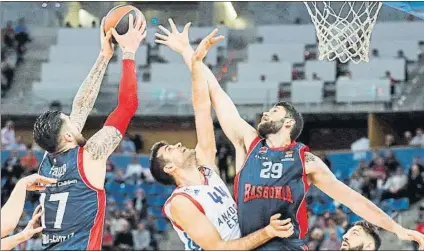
(190, 177)
(279, 139)
(66, 147)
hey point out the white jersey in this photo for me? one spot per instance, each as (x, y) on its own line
(215, 201)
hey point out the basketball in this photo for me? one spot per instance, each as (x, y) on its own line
(118, 18)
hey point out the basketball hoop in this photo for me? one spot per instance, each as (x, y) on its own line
(344, 28)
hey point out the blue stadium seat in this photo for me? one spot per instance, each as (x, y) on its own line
(162, 224)
(155, 211)
(400, 204)
(353, 218)
(156, 201)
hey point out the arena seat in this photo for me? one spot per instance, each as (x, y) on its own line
(366, 90)
(307, 92)
(162, 224)
(293, 53)
(377, 67)
(274, 72)
(325, 70)
(389, 49)
(280, 34)
(86, 37)
(72, 72)
(72, 54)
(249, 94)
(170, 73)
(394, 31)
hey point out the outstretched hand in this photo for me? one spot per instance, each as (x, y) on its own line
(176, 41)
(130, 41)
(206, 44)
(33, 227)
(36, 182)
(107, 47)
(411, 235)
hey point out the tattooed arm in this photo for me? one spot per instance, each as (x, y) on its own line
(87, 93)
(89, 89)
(321, 176)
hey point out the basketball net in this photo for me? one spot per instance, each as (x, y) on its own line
(344, 28)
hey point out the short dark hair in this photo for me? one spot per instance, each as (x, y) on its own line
(157, 164)
(372, 231)
(46, 130)
(297, 116)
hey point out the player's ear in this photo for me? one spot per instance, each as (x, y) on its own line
(68, 137)
(369, 246)
(170, 168)
(289, 123)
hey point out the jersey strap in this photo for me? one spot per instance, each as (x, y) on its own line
(252, 146)
(167, 212)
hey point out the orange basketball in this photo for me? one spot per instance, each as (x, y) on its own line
(118, 18)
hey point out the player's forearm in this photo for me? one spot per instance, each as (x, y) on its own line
(249, 242)
(12, 210)
(88, 92)
(370, 212)
(127, 95)
(10, 242)
(200, 91)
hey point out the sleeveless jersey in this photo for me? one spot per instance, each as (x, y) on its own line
(212, 199)
(73, 209)
(271, 181)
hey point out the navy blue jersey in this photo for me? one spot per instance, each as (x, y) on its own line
(73, 209)
(271, 181)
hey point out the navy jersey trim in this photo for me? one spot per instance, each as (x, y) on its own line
(95, 238)
(302, 211)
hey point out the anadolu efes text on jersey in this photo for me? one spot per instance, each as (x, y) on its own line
(212, 199)
(271, 181)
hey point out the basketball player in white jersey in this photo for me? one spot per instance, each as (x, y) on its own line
(201, 209)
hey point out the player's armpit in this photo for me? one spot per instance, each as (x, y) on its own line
(203, 232)
(102, 144)
(322, 177)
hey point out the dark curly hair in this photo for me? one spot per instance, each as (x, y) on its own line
(46, 130)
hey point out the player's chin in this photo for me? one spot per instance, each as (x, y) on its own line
(344, 246)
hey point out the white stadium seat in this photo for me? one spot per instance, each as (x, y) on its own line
(365, 90)
(242, 95)
(377, 67)
(274, 72)
(307, 92)
(293, 53)
(170, 73)
(277, 34)
(325, 70)
(389, 49)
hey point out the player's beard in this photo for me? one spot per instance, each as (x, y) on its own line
(190, 160)
(348, 247)
(269, 127)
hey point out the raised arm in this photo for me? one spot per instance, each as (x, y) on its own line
(206, 146)
(12, 210)
(237, 129)
(203, 232)
(10, 242)
(321, 176)
(104, 142)
(87, 93)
